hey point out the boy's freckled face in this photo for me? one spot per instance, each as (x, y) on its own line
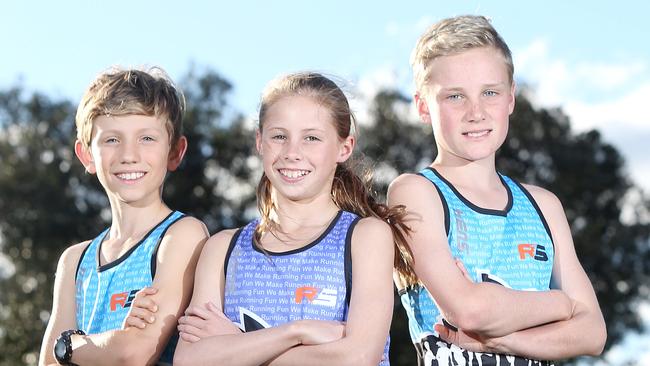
(469, 98)
(130, 154)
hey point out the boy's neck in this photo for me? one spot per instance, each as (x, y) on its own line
(128, 221)
(481, 175)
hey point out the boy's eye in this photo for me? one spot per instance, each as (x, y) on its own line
(455, 97)
(148, 138)
(279, 137)
(490, 93)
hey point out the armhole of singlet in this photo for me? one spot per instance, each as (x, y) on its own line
(539, 211)
(154, 255)
(231, 246)
(445, 207)
(347, 265)
(76, 272)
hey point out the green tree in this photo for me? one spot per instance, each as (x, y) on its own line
(48, 202)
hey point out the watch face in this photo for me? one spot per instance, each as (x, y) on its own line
(59, 349)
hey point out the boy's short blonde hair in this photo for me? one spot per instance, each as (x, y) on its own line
(452, 36)
(121, 92)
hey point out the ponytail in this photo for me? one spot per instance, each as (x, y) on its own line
(353, 192)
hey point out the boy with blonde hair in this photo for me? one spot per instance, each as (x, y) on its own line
(499, 282)
(129, 133)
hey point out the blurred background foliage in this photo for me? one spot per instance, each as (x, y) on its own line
(47, 202)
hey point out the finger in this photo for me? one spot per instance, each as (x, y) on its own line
(200, 311)
(134, 322)
(147, 291)
(146, 303)
(143, 314)
(443, 331)
(189, 337)
(194, 321)
(462, 268)
(190, 329)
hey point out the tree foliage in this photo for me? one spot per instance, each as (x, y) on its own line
(47, 202)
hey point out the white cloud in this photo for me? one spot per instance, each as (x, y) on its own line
(595, 95)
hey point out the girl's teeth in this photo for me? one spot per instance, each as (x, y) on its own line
(293, 173)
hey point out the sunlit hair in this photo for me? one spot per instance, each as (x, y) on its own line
(351, 191)
(122, 92)
(452, 36)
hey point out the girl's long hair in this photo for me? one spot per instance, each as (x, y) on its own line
(352, 185)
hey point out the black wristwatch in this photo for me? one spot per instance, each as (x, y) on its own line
(63, 347)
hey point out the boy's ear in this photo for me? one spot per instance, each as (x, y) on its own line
(423, 108)
(513, 90)
(346, 148)
(176, 154)
(85, 157)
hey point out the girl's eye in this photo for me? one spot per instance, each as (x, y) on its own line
(148, 138)
(279, 137)
(312, 138)
(455, 97)
(111, 140)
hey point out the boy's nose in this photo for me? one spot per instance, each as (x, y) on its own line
(130, 153)
(476, 112)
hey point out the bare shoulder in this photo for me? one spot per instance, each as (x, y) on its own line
(372, 226)
(70, 257)
(546, 200)
(188, 227)
(407, 182)
(371, 232)
(219, 242)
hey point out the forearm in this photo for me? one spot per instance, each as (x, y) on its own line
(123, 347)
(583, 334)
(251, 348)
(495, 311)
(343, 352)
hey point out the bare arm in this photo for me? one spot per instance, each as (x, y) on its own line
(485, 308)
(371, 304)
(63, 316)
(561, 339)
(174, 277)
(234, 347)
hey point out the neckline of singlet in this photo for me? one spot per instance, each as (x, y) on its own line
(123, 257)
(305, 247)
(486, 211)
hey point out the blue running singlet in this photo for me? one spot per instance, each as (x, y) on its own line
(266, 289)
(511, 247)
(104, 293)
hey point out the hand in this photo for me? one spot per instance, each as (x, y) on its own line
(466, 340)
(463, 270)
(142, 309)
(204, 321)
(314, 332)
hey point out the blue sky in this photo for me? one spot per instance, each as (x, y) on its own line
(591, 58)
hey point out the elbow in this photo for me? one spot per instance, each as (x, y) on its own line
(598, 341)
(470, 316)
